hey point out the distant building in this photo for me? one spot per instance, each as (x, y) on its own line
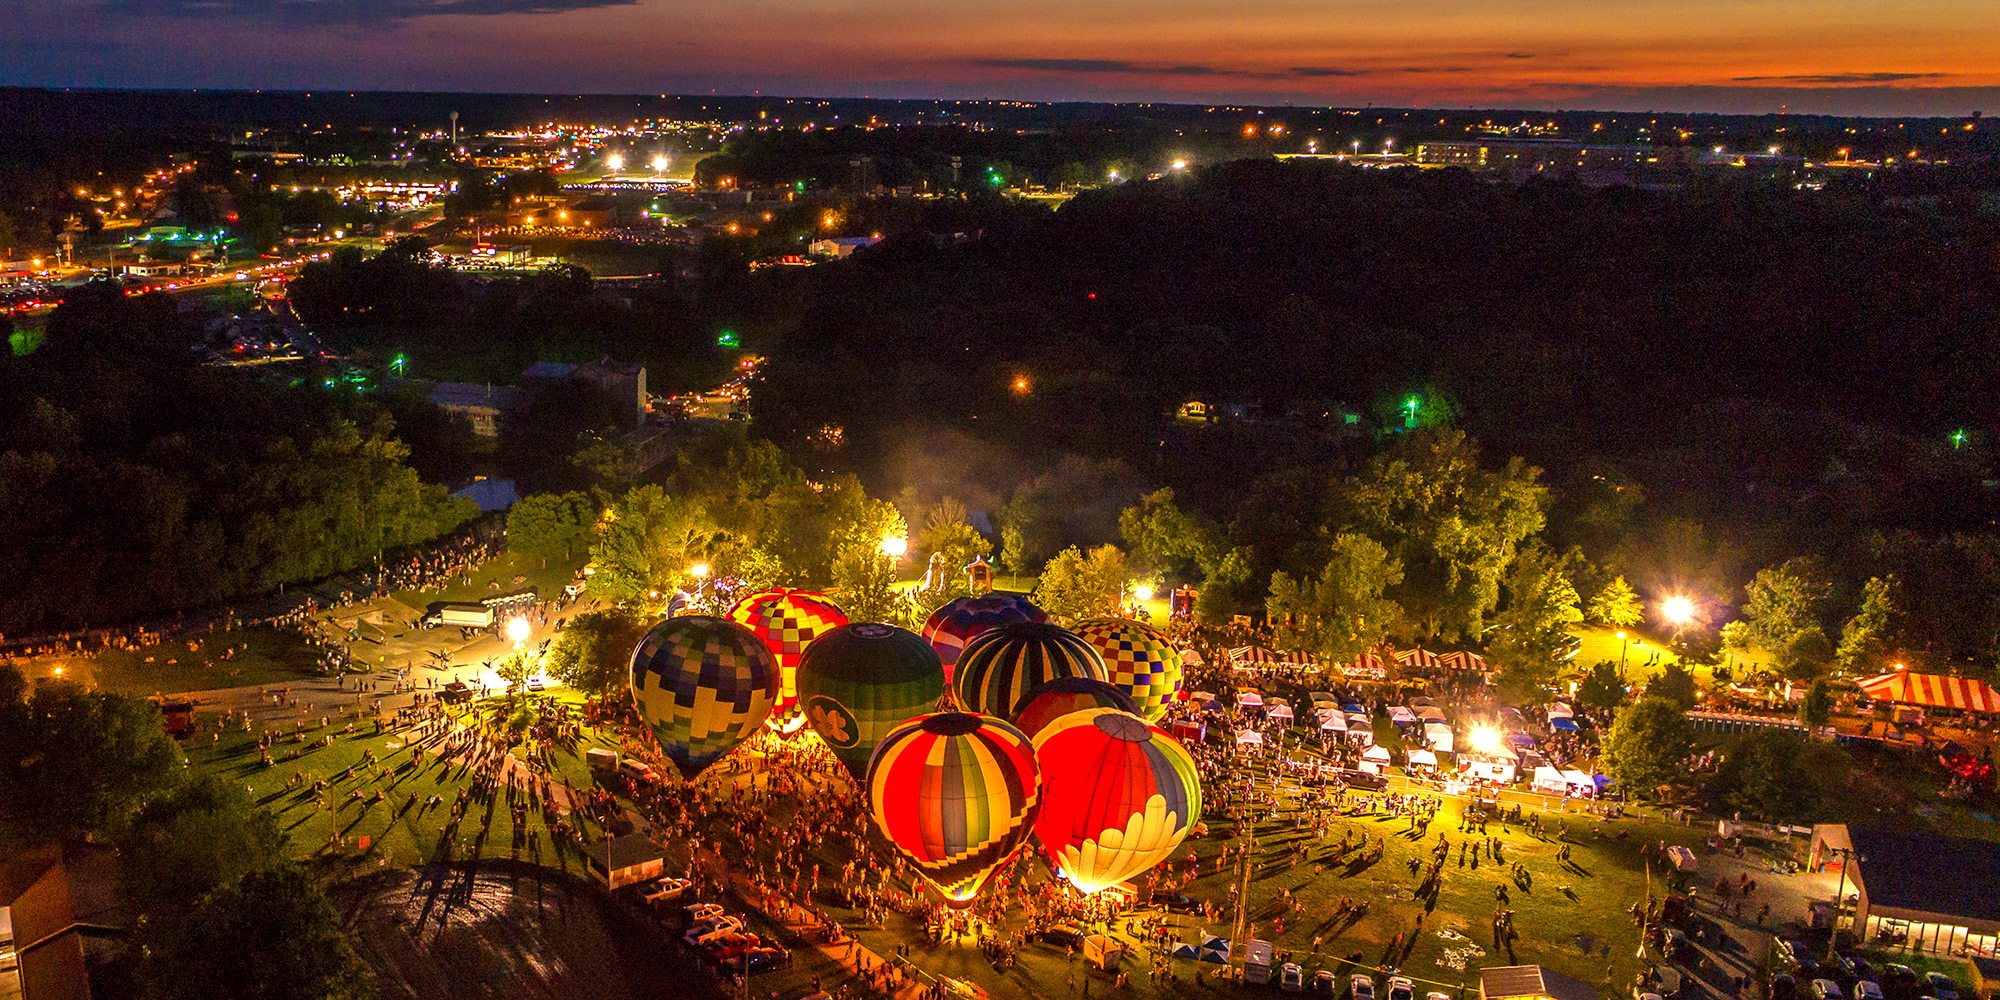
(1531, 982)
(485, 408)
(624, 382)
(1930, 893)
(61, 905)
(840, 246)
(1507, 153)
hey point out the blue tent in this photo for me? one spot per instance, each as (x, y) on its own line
(1566, 725)
(1215, 950)
(1181, 949)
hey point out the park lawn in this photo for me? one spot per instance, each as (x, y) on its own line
(1646, 657)
(510, 570)
(265, 655)
(400, 836)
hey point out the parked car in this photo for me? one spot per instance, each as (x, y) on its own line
(1940, 986)
(1176, 902)
(703, 911)
(1856, 968)
(1900, 982)
(1784, 987)
(1063, 934)
(1325, 983)
(1291, 978)
(1866, 989)
(1826, 989)
(1401, 988)
(1362, 987)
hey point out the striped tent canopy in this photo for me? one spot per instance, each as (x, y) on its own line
(1418, 657)
(1463, 660)
(1365, 665)
(1934, 690)
(1193, 657)
(1250, 656)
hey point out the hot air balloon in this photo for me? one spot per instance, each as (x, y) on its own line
(950, 627)
(998, 668)
(1124, 796)
(1064, 695)
(956, 793)
(859, 681)
(787, 621)
(1142, 661)
(704, 685)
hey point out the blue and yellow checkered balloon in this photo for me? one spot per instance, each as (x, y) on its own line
(703, 685)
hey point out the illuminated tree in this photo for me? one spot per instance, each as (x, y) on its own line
(1616, 605)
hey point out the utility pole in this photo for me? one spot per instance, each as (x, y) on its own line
(1847, 857)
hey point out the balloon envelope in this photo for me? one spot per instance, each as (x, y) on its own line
(1064, 695)
(787, 621)
(956, 793)
(703, 685)
(1142, 660)
(860, 681)
(998, 668)
(950, 627)
(1123, 797)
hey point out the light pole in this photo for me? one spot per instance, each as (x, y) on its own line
(1847, 857)
(1624, 642)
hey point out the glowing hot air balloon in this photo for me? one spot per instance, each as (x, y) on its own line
(859, 681)
(1123, 797)
(956, 793)
(1064, 695)
(787, 621)
(1142, 660)
(950, 627)
(998, 668)
(703, 685)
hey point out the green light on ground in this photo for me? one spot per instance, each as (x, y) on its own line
(1958, 438)
(726, 338)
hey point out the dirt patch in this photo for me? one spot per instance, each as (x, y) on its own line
(510, 932)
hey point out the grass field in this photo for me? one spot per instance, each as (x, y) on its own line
(263, 656)
(505, 573)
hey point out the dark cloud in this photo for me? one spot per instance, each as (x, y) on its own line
(1520, 55)
(344, 11)
(1838, 78)
(1065, 65)
(1317, 71)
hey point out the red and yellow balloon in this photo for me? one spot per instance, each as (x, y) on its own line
(1123, 797)
(957, 794)
(787, 621)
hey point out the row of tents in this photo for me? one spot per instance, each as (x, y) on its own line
(1369, 665)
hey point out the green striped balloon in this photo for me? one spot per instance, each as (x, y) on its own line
(860, 681)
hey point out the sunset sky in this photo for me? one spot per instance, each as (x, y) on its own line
(1859, 56)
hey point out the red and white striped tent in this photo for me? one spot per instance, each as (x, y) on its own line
(1934, 690)
(1250, 656)
(1418, 657)
(1366, 665)
(1463, 660)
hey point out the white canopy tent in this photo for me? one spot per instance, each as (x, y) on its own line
(1579, 783)
(1333, 723)
(1559, 710)
(1249, 699)
(1438, 735)
(1249, 737)
(1377, 753)
(1280, 712)
(1400, 715)
(1423, 758)
(1550, 780)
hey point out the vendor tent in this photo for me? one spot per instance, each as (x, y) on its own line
(1933, 690)
(1319, 696)
(1201, 696)
(1423, 758)
(1251, 656)
(1377, 753)
(1564, 723)
(1550, 780)
(1401, 716)
(1418, 657)
(1182, 949)
(1438, 735)
(1430, 713)
(1214, 949)
(1249, 699)
(1280, 712)
(1249, 737)
(1193, 658)
(1463, 660)
(1366, 665)
(1579, 783)
(1333, 724)
(1559, 710)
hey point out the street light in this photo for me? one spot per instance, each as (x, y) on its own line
(1678, 611)
(659, 164)
(895, 546)
(517, 630)
(699, 571)
(615, 161)
(1144, 592)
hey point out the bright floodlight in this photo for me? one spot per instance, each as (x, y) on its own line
(699, 571)
(895, 546)
(517, 630)
(1143, 591)
(659, 163)
(1178, 165)
(1484, 740)
(615, 161)
(1677, 610)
